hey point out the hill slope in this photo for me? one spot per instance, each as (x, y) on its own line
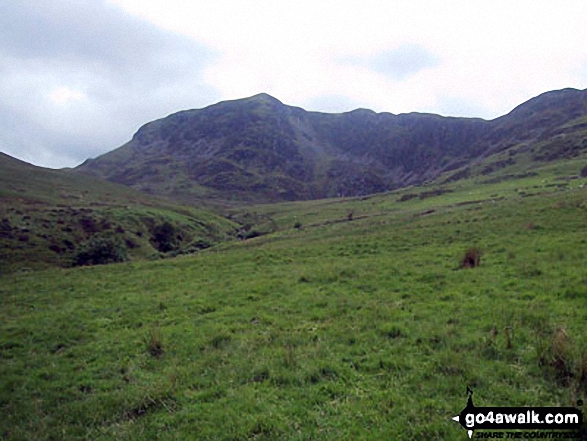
(354, 329)
(258, 149)
(48, 216)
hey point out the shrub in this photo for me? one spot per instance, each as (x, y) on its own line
(252, 234)
(195, 246)
(392, 332)
(407, 197)
(165, 237)
(89, 225)
(130, 243)
(55, 248)
(100, 250)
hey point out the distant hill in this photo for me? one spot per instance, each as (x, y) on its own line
(47, 217)
(258, 149)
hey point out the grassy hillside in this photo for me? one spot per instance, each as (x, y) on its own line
(523, 179)
(353, 320)
(48, 216)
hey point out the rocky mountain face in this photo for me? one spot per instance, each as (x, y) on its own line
(258, 149)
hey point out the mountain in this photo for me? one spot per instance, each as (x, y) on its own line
(50, 217)
(552, 125)
(258, 149)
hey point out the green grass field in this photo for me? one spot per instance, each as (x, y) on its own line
(331, 327)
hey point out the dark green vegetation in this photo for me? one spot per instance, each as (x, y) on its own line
(260, 150)
(354, 319)
(56, 217)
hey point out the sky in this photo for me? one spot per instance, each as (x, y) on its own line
(79, 77)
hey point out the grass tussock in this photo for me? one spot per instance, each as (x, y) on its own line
(564, 361)
(154, 342)
(472, 258)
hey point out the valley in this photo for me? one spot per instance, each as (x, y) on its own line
(260, 317)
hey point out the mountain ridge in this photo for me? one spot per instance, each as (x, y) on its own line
(258, 149)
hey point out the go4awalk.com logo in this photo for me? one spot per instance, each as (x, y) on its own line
(521, 422)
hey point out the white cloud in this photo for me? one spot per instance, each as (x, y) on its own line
(400, 63)
(78, 78)
(83, 75)
(64, 95)
(491, 54)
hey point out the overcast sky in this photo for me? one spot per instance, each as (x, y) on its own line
(79, 77)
